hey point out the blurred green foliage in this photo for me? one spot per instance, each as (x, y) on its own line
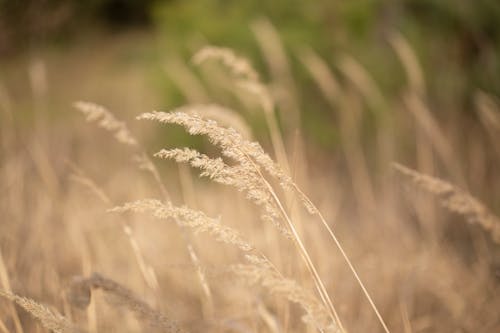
(460, 38)
(456, 42)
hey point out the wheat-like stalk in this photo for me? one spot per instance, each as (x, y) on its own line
(252, 159)
(248, 79)
(258, 270)
(79, 295)
(186, 217)
(106, 120)
(239, 66)
(455, 200)
(49, 318)
(249, 156)
(224, 116)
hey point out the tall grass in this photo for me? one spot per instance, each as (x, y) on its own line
(126, 238)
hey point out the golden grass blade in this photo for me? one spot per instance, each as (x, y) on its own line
(50, 319)
(410, 63)
(186, 217)
(248, 79)
(106, 120)
(251, 158)
(362, 80)
(259, 271)
(322, 75)
(224, 116)
(274, 53)
(455, 200)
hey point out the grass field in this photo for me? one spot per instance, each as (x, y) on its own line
(224, 214)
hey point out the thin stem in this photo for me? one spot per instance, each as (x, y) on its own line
(305, 255)
(351, 267)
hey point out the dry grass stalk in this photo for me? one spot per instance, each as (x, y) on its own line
(455, 200)
(427, 122)
(489, 113)
(80, 177)
(109, 122)
(246, 176)
(362, 80)
(488, 110)
(322, 75)
(248, 79)
(106, 120)
(260, 271)
(410, 63)
(251, 158)
(224, 116)
(5, 284)
(201, 223)
(79, 295)
(239, 66)
(146, 270)
(186, 217)
(274, 53)
(50, 319)
(242, 177)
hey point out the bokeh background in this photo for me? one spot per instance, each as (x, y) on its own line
(357, 86)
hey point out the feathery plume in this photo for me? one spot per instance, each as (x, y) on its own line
(260, 271)
(106, 120)
(239, 66)
(186, 217)
(50, 319)
(455, 200)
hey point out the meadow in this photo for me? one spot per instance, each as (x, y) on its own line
(237, 209)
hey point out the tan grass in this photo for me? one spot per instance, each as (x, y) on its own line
(49, 318)
(5, 283)
(455, 200)
(251, 158)
(105, 119)
(283, 86)
(410, 63)
(80, 292)
(224, 116)
(260, 271)
(108, 121)
(186, 217)
(248, 79)
(239, 66)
